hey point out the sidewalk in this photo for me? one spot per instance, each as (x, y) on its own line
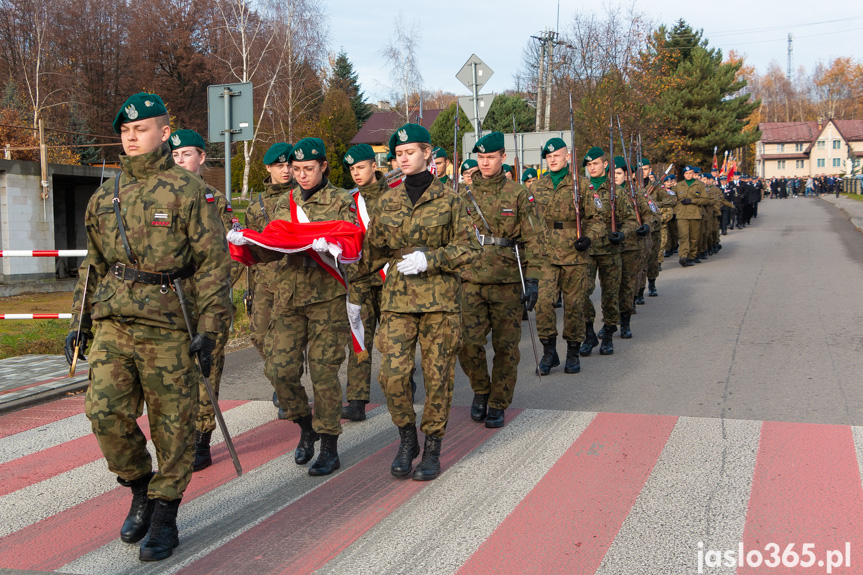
(851, 208)
(29, 379)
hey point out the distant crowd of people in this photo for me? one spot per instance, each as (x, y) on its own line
(781, 188)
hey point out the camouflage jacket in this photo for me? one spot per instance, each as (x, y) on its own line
(297, 285)
(440, 225)
(665, 198)
(226, 213)
(719, 200)
(510, 211)
(629, 223)
(557, 207)
(594, 199)
(169, 225)
(694, 192)
(259, 213)
(371, 195)
(649, 215)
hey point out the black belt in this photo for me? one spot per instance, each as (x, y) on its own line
(405, 251)
(493, 241)
(128, 273)
(564, 225)
(301, 261)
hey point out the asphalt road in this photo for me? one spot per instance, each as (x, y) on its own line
(768, 329)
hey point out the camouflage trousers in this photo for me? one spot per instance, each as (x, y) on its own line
(439, 338)
(714, 231)
(688, 231)
(645, 245)
(324, 328)
(494, 308)
(655, 255)
(262, 309)
(572, 282)
(206, 420)
(360, 371)
(133, 364)
(630, 264)
(609, 269)
(704, 233)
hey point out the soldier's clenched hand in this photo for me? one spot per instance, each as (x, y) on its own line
(237, 238)
(643, 230)
(616, 238)
(69, 347)
(582, 243)
(686, 201)
(531, 294)
(413, 263)
(320, 245)
(203, 346)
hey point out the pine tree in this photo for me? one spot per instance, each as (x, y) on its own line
(503, 108)
(442, 130)
(346, 80)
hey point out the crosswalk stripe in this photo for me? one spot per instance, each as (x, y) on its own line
(18, 421)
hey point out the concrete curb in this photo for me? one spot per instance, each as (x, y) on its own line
(855, 218)
(45, 396)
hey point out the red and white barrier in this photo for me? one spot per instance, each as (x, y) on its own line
(42, 253)
(35, 316)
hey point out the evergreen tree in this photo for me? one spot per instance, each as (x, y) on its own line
(346, 80)
(441, 130)
(701, 105)
(503, 108)
(336, 126)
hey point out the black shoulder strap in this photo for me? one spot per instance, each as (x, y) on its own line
(263, 209)
(120, 225)
(479, 211)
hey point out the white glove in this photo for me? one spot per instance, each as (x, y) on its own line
(413, 263)
(236, 237)
(354, 312)
(320, 245)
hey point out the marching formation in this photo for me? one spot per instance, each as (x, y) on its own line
(411, 257)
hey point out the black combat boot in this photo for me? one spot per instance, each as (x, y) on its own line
(549, 355)
(625, 332)
(306, 447)
(572, 364)
(355, 410)
(696, 260)
(639, 299)
(651, 288)
(328, 460)
(137, 522)
(479, 407)
(409, 448)
(607, 347)
(683, 261)
(495, 418)
(203, 459)
(429, 466)
(666, 254)
(590, 340)
(163, 535)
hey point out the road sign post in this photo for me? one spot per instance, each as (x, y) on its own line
(474, 74)
(230, 117)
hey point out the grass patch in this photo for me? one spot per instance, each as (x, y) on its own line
(857, 197)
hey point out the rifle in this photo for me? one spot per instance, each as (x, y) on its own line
(515, 163)
(178, 287)
(529, 323)
(653, 185)
(575, 197)
(455, 165)
(640, 153)
(74, 363)
(628, 172)
(611, 185)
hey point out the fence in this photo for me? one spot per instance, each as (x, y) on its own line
(40, 254)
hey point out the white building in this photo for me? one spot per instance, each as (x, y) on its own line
(799, 149)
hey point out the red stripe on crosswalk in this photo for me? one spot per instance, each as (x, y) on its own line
(570, 518)
(61, 538)
(44, 381)
(806, 489)
(33, 417)
(306, 534)
(53, 461)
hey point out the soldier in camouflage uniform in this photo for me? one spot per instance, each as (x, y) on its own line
(468, 169)
(145, 228)
(503, 213)
(652, 216)
(371, 185)
(604, 255)
(528, 178)
(666, 199)
(262, 276)
(632, 249)
(441, 162)
(691, 195)
(719, 202)
(566, 256)
(187, 149)
(423, 232)
(309, 309)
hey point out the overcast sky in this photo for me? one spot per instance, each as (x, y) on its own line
(498, 31)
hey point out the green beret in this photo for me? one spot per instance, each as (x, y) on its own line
(552, 145)
(390, 156)
(186, 138)
(440, 153)
(468, 164)
(409, 134)
(644, 162)
(358, 153)
(139, 107)
(279, 153)
(592, 154)
(308, 149)
(506, 167)
(528, 174)
(619, 162)
(489, 143)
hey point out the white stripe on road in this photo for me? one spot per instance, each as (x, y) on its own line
(698, 491)
(43, 437)
(439, 528)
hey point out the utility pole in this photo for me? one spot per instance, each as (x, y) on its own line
(539, 83)
(550, 38)
(790, 54)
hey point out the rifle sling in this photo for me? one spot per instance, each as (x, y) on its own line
(263, 209)
(479, 211)
(120, 226)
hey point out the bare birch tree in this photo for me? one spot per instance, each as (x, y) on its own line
(401, 54)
